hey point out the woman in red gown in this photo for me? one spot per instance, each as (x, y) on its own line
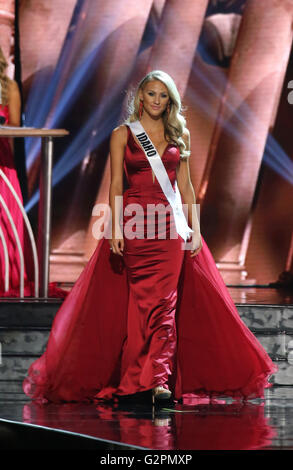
(145, 314)
(10, 110)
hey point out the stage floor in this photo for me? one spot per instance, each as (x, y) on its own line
(260, 295)
(254, 294)
(222, 424)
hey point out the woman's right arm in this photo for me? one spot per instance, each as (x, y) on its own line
(117, 147)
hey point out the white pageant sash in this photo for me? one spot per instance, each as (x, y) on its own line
(161, 174)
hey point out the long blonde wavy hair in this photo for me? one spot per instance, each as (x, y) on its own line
(4, 80)
(174, 122)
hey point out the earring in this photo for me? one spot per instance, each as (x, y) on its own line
(140, 111)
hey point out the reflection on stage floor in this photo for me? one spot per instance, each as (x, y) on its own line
(198, 424)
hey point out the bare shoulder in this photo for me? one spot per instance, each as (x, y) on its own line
(119, 135)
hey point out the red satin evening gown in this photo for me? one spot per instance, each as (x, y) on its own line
(8, 167)
(151, 317)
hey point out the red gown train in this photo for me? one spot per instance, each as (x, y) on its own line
(154, 316)
(8, 167)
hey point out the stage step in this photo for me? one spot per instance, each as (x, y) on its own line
(32, 341)
(25, 328)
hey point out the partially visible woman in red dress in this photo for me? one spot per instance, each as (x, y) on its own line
(10, 110)
(147, 315)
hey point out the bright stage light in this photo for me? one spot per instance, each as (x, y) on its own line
(100, 124)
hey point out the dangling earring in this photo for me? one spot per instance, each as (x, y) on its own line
(140, 111)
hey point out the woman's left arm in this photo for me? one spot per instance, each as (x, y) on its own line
(187, 191)
(14, 105)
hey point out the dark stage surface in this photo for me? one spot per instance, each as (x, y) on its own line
(222, 424)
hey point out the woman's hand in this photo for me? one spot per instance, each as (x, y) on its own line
(196, 243)
(117, 245)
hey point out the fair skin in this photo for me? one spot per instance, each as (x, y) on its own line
(155, 98)
(14, 105)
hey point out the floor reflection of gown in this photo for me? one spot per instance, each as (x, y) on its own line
(8, 168)
(235, 426)
(155, 314)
